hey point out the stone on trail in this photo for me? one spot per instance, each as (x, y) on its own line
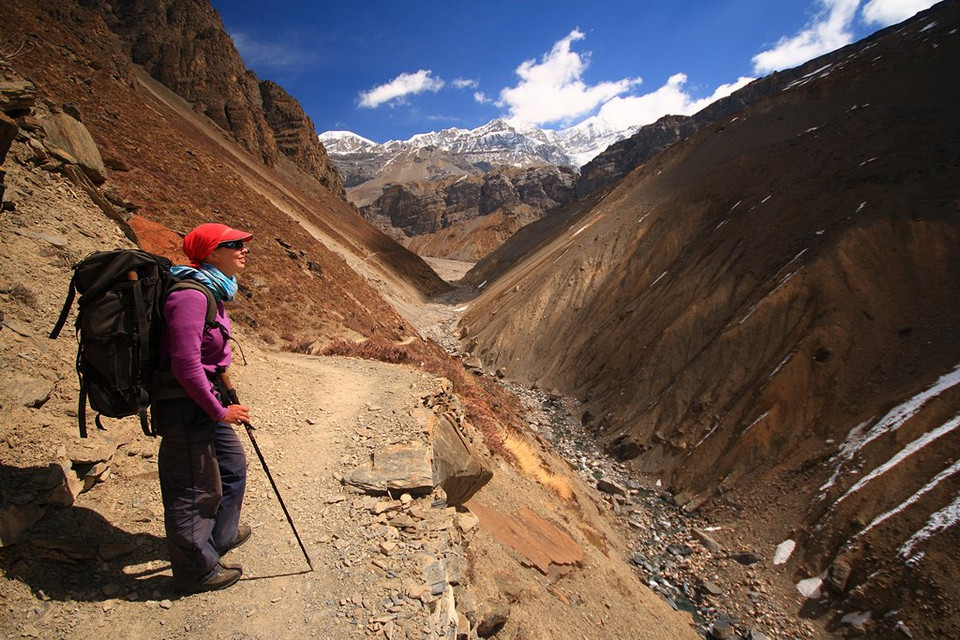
(680, 549)
(707, 541)
(113, 550)
(63, 484)
(746, 558)
(397, 467)
(711, 588)
(457, 469)
(721, 630)
(63, 550)
(29, 392)
(467, 521)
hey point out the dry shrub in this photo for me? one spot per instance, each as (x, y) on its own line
(532, 465)
(479, 404)
(298, 346)
(373, 349)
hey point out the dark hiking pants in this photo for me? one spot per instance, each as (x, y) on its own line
(203, 472)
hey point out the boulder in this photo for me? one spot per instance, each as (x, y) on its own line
(29, 392)
(69, 134)
(784, 551)
(838, 575)
(624, 447)
(17, 96)
(473, 363)
(456, 467)
(609, 486)
(397, 467)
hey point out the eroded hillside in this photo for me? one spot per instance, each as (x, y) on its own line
(765, 316)
(172, 167)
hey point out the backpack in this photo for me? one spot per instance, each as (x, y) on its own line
(119, 323)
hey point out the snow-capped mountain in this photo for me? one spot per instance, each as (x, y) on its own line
(500, 142)
(343, 142)
(585, 141)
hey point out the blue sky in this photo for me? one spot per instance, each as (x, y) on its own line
(388, 69)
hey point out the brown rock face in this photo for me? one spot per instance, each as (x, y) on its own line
(455, 203)
(296, 137)
(183, 45)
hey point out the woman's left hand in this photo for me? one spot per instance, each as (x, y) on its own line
(237, 414)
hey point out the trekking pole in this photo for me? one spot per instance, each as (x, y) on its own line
(232, 393)
(263, 463)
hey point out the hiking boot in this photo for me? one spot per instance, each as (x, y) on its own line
(231, 565)
(243, 534)
(221, 578)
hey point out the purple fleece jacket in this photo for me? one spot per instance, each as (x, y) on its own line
(195, 354)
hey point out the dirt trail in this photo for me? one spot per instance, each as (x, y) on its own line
(348, 407)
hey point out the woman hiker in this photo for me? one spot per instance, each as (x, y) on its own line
(201, 463)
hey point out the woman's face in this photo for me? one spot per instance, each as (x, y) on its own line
(229, 257)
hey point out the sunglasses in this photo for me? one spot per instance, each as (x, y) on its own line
(231, 244)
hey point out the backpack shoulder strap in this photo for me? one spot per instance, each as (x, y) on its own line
(196, 286)
(65, 312)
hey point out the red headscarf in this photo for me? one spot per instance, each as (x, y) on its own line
(200, 243)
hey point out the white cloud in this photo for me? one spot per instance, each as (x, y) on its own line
(552, 90)
(481, 97)
(630, 111)
(886, 12)
(465, 83)
(829, 30)
(400, 87)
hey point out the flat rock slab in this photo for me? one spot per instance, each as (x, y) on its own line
(406, 467)
(541, 543)
(69, 134)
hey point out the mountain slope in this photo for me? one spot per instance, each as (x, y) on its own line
(177, 168)
(184, 46)
(744, 313)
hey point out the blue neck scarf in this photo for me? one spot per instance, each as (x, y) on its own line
(223, 288)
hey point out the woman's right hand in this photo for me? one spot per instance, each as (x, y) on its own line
(237, 414)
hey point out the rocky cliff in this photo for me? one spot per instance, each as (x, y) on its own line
(184, 46)
(429, 207)
(296, 137)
